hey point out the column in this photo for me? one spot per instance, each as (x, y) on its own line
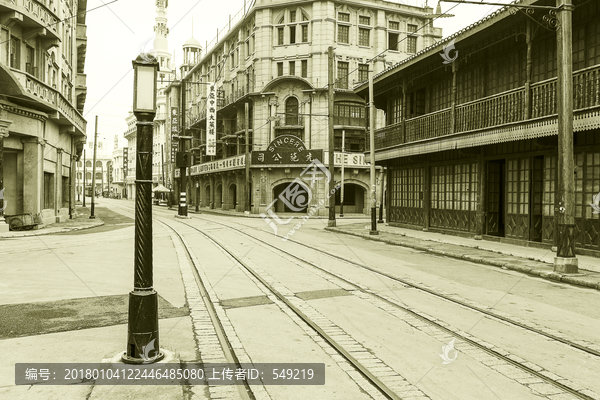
(4, 124)
(58, 190)
(33, 177)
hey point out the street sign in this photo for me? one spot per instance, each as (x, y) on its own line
(211, 120)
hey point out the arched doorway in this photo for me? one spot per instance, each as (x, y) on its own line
(219, 196)
(206, 196)
(298, 200)
(232, 196)
(354, 199)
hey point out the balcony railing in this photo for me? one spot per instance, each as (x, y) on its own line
(500, 109)
(51, 96)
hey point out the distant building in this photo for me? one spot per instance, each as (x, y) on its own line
(161, 52)
(273, 57)
(42, 95)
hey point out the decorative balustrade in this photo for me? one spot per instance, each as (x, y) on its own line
(50, 96)
(543, 96)
(498, 109)
(503, 108)
(428, 126)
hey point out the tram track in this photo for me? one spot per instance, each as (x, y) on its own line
(413, 285)
(489, 349)
(382, 388)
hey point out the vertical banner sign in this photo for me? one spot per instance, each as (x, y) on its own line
(211, 120)
(125, 160)
(174, 120)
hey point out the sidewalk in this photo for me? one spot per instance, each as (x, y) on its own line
(532, 261)
(81, 220)
(218, 211)
(65, 300)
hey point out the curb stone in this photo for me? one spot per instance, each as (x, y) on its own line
(548, 275)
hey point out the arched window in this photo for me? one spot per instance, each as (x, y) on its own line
(88, 176)
(291, 111)
(98, 164)
(88, 164)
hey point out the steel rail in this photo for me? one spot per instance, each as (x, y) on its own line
(422, 288)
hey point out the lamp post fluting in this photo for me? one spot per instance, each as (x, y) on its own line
(142, 330)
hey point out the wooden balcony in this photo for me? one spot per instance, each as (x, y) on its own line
(501, 109)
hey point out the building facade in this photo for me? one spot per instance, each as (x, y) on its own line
(42, 95)
(471, 142)
(273, 59)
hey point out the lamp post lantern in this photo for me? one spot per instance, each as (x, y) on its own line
(142, 330)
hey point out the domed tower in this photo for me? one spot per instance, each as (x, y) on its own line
(191, 55)
(161, 44)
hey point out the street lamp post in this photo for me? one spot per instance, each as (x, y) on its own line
(142, 330)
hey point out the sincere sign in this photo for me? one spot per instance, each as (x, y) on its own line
(285, 150)
(211, 120)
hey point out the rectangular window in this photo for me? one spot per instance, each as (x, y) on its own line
(5, 43)
(344, 17)
(292, 16)
(279, 36)
(411, 28)
(395, 25)
(363, 72)
(292, 34)
(393, 41)
(15, 53)
(343, 34)
(305, 33)
(48, 190)
(363, 37)
(29, 62)
(364, 20)
(342, 75)
(411, 44)
(280, 69)
(292, 67)
(304, 68)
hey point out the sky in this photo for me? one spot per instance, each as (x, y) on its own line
(118, 30)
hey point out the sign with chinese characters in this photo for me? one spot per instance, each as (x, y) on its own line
(125, 160)
(286, 150)
(236, 162)
(174, 149)
(174, 120)
(211, 120)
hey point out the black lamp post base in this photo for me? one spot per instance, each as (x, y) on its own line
(142, 333)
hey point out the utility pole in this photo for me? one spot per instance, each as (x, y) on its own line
(372, 188)
(343, 163)
(92, 216)
(565, 260)
(331, 146)
(162, 165)
(84, 178)
(247, 193)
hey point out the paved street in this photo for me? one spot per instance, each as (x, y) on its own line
(385, 320)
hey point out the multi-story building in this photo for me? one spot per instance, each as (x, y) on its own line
(274, 58)
(102, 167)
(129, 169)
(118, 187)
(471, 142)
(42, 95)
